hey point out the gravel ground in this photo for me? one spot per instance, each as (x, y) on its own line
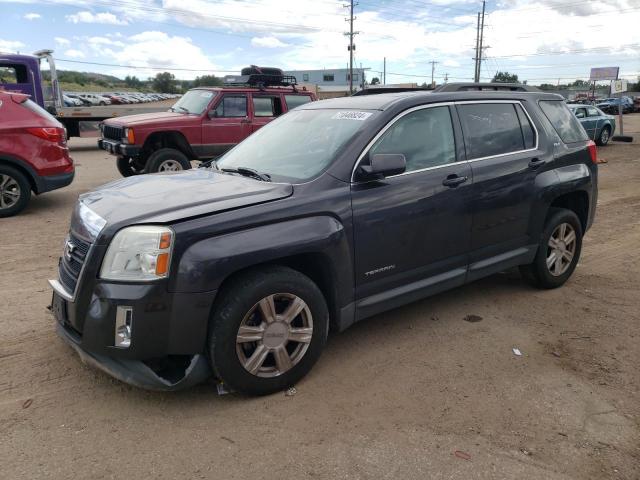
(414, 393)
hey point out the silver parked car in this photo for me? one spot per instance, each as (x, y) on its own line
(598, 125)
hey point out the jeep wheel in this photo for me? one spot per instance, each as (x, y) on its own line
(15, 191)
(604, 137)
(558, 252)
(167, 160)
(267, 331)
(128, 167)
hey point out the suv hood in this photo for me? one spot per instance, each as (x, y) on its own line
(152, 119)
(169, 197)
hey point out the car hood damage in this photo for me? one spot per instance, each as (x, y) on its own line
(169, 197)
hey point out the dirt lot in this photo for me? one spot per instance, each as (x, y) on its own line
(394, 397)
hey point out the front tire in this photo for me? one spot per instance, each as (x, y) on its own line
(167, 160)
(558, 252)
(15, 191)
(604, 137)
(267, 331)
(127, 167)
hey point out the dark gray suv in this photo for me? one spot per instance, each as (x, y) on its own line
(334, 212)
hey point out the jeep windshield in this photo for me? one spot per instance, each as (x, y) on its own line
(297, 146)
(194, 102)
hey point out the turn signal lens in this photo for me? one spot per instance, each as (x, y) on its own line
(593, 151)
(162, 264)
(131, 138)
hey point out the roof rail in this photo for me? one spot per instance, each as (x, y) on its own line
(376, 90)
(485, 87)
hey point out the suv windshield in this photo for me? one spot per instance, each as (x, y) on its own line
(194, 101)
(298, 145)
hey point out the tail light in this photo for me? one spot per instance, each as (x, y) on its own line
(593, 151)
(51, 134)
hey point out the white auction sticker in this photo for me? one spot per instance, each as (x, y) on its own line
(206, 94)
(351, 115)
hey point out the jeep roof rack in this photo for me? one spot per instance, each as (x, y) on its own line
(260, 77)
(485, 87)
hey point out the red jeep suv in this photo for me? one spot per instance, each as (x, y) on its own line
(33, 152)
(203, 124)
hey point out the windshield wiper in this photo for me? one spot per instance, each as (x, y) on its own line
(249, 172)
(173, 109)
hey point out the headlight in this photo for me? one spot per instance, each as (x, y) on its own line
(141, 253)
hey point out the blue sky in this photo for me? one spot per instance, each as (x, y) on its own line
(541, 41)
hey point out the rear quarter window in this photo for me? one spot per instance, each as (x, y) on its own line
(294, 101)
(563, 121)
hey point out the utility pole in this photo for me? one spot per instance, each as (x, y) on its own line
(477, 57)
(481, 40)
(433, 69)
(446, 77)
(351, 46)
(384, 71)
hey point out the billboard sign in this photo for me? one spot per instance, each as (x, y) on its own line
(604, 73)
(618, 86)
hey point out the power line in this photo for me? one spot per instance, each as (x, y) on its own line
(141, 67)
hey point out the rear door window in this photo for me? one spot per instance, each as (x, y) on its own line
(492, 129)
(294, 101)
(593, 112)
(563, 121)
(267, 106)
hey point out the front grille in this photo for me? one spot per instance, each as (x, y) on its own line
(112, 133)
(73, 258)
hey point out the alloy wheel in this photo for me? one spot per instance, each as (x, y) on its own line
(274, 335)
(561, 249)
(170, 166)
(9, 191)
(604, 136)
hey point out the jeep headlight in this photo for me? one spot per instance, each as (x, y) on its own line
(140, 253)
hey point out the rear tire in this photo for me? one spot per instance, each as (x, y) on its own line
(167, 160)
(603, 138)
(558, 252)
(267, 330)
(15, 191)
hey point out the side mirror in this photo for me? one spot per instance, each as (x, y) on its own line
(384, 165)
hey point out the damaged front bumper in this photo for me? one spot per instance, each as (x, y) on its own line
(167, 335)
(141, 374)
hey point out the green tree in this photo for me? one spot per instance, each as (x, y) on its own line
(164, 82)
(208, 81)
(505, 77)
(132, 81)
(375, 81)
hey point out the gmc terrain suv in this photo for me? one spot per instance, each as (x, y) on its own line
(330, 214)
(204, 123)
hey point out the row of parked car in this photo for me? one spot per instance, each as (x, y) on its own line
(72, 99)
